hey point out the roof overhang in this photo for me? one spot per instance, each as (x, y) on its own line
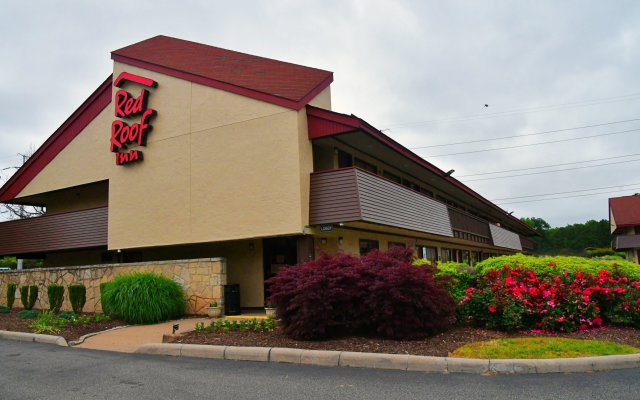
(80, 118)
(357, 133)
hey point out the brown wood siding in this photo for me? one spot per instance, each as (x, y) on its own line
(65, 231)
(334, 197)
(352, 194)
(527, 244)
(385, 202)
(463, 222)
(626, 242)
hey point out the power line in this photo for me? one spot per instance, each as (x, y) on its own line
(568, 197)
(547, 166)
(533, 144)
(548, 172)
(462, 118)
(526, 134)
(570, 191)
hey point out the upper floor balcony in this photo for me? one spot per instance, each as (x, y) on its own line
(55, 232)
(355, 195)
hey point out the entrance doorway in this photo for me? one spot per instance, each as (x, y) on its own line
(280, 252)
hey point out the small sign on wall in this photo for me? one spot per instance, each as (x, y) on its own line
(326, 228)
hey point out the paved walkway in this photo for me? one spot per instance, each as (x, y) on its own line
(128, 339)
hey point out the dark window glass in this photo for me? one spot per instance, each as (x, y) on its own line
(365, 165)
(344, 159)
(426, 191)
(366, 245)
(397, 244)
(410, 185)
(391, 176)
(430, 253)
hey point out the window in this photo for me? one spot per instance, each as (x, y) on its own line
(446, 255)
(410, 185)
(397, 244)
(426, 191)
(344, 159)
(392, 177)
(366, 245)
(365, 165)
(430, 253)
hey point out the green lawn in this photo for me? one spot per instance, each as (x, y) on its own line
(541, 347)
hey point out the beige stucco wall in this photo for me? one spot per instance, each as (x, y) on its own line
(217, 166)
(201, 280)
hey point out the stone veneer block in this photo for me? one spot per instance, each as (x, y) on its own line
(320, 357)
(193, 275)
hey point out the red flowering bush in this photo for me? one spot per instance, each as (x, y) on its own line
(513, 298)
(379, 292)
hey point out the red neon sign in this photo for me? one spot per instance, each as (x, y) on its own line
(124, 135)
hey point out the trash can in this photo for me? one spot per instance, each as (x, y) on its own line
(232, 299)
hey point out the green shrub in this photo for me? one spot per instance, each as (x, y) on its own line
(77, 297)
(28, 314)
(461, 276)
(11, 294)
(143, 298)
(55, 293)
(557, 264)
(67, 315)
(4, 310)
(48, 322)
(28, 296)
(103, 289)
(604, 252)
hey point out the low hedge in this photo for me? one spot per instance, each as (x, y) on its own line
(555, 265)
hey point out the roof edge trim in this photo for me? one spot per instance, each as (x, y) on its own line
(69, 129)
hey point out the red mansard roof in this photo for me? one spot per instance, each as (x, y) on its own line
(285, 84)
(626, 210)
(80, 118)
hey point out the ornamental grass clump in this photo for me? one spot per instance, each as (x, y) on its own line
(380, 293)
(143, 298)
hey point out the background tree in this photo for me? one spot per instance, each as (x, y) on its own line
(18, 211)
(572, 239)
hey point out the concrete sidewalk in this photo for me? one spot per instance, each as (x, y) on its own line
(128, 339)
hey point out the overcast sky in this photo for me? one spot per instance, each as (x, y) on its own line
(422, 71)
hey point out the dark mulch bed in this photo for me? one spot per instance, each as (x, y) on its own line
(439, 345)
(11, 322)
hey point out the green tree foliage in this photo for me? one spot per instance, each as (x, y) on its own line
(571, 239)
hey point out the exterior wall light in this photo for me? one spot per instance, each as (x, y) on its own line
(340, 240)
(323, 240)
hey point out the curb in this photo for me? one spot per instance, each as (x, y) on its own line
(82, 338)
(402, 362)
(33, 337)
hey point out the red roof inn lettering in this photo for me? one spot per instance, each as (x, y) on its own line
(126, 107)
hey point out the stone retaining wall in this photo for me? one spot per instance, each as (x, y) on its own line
(201, 279)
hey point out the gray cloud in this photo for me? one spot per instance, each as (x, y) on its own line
(394, 63)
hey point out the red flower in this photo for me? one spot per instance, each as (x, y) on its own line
(492, 309)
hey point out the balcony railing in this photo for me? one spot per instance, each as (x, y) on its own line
(65, 231)
(352, 194)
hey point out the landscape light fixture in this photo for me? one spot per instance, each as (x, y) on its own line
(175, 328)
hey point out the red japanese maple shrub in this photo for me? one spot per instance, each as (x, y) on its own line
(319, 298)
(380, 292)
(405, 301)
